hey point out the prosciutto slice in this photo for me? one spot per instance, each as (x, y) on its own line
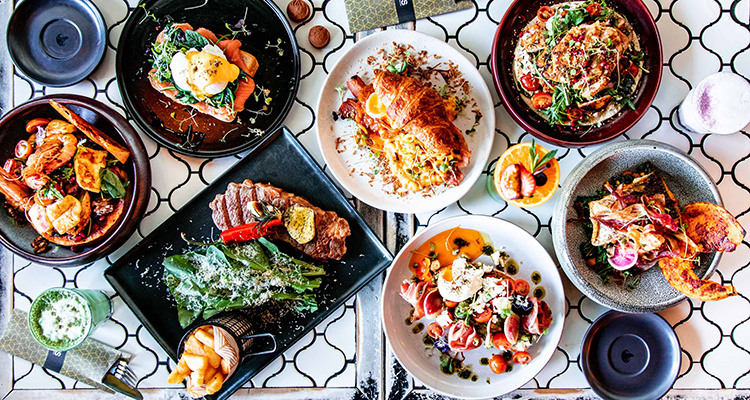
(424, 297)
(462, 337)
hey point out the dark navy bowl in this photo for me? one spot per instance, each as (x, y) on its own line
(630, 356)
(56, 43)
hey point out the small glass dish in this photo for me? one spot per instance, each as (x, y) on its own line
(62, 318)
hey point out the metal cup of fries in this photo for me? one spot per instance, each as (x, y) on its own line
(211, 352)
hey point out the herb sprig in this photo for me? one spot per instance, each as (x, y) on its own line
(536, 162)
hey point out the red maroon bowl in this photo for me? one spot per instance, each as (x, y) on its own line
(503, 48)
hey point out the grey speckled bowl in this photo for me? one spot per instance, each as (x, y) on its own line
(685, 178)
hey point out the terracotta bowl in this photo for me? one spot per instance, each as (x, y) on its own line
(12, 129)
(506, 38)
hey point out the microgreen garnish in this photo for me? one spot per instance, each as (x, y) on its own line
(342, 91)
(398, 68)
(279, 50)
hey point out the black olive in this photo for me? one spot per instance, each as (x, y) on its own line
(521, 305)
(540, 179)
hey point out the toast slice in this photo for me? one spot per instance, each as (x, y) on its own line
(117, 150)
(228, 112)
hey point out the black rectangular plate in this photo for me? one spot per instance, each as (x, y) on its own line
(283, 162)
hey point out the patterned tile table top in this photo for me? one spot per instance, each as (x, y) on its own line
(699, 37)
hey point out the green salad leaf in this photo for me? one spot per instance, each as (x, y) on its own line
(111, 185)
(218, 278)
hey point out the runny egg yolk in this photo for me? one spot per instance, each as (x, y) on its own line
(374, 107)
(204, 73)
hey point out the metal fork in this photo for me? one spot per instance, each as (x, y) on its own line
(121, 379)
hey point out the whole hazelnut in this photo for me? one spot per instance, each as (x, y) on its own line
(298, 10)
(319, 36)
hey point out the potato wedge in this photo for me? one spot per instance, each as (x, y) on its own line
(175, 377)
(119, 151)
(214, 385)
(712, 227)
(210, 372)
(205, 338)
(196, 362)
(213, 359)
(193, 346)
(182, 367)
(679, 273)
(198, 377)
(225, 366)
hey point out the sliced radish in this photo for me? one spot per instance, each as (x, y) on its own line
(622, 259)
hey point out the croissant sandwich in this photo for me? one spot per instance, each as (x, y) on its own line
(415, 123)
(195, 68)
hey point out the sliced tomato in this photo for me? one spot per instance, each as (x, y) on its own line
(574, 113)
(594, 9)
(499, 341)
(31, 125)
(23, 149)
(633, 70)
(450, 304)
(43, 201)
(435, 331)
(541, 100)
(498, 364)
(13, 167)
(521, 357)
(522, 287)
(485, 316)
(544, 13)
(530, 83)
(423, 270)
(510, 284)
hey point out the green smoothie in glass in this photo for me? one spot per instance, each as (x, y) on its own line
(62, 318)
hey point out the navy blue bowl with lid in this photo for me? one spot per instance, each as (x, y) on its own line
(630, 356)
(56, 43)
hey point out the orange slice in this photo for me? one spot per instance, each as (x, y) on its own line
(520, 154)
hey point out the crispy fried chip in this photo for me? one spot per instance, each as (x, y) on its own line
(679, 273)
(712, 227)
(300, 223)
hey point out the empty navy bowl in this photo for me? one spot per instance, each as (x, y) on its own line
(56, 43)
(630, 356)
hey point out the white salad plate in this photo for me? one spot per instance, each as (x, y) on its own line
(424, 364)
(349, 166)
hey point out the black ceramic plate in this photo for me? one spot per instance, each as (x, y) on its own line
(281, 161)
(630, 356)
(170, 123)
(12, 125)
(56, 43)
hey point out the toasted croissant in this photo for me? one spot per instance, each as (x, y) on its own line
(420, 110)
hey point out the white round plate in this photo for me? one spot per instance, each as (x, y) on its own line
(425, 365)
(347, 167)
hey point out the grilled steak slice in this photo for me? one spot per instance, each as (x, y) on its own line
(231, 209)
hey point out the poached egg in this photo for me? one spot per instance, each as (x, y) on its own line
(204, 73)
(461, 281)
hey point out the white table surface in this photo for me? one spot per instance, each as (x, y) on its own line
(699, 37)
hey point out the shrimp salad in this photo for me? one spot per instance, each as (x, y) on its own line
(470, 304)
(66, 180)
